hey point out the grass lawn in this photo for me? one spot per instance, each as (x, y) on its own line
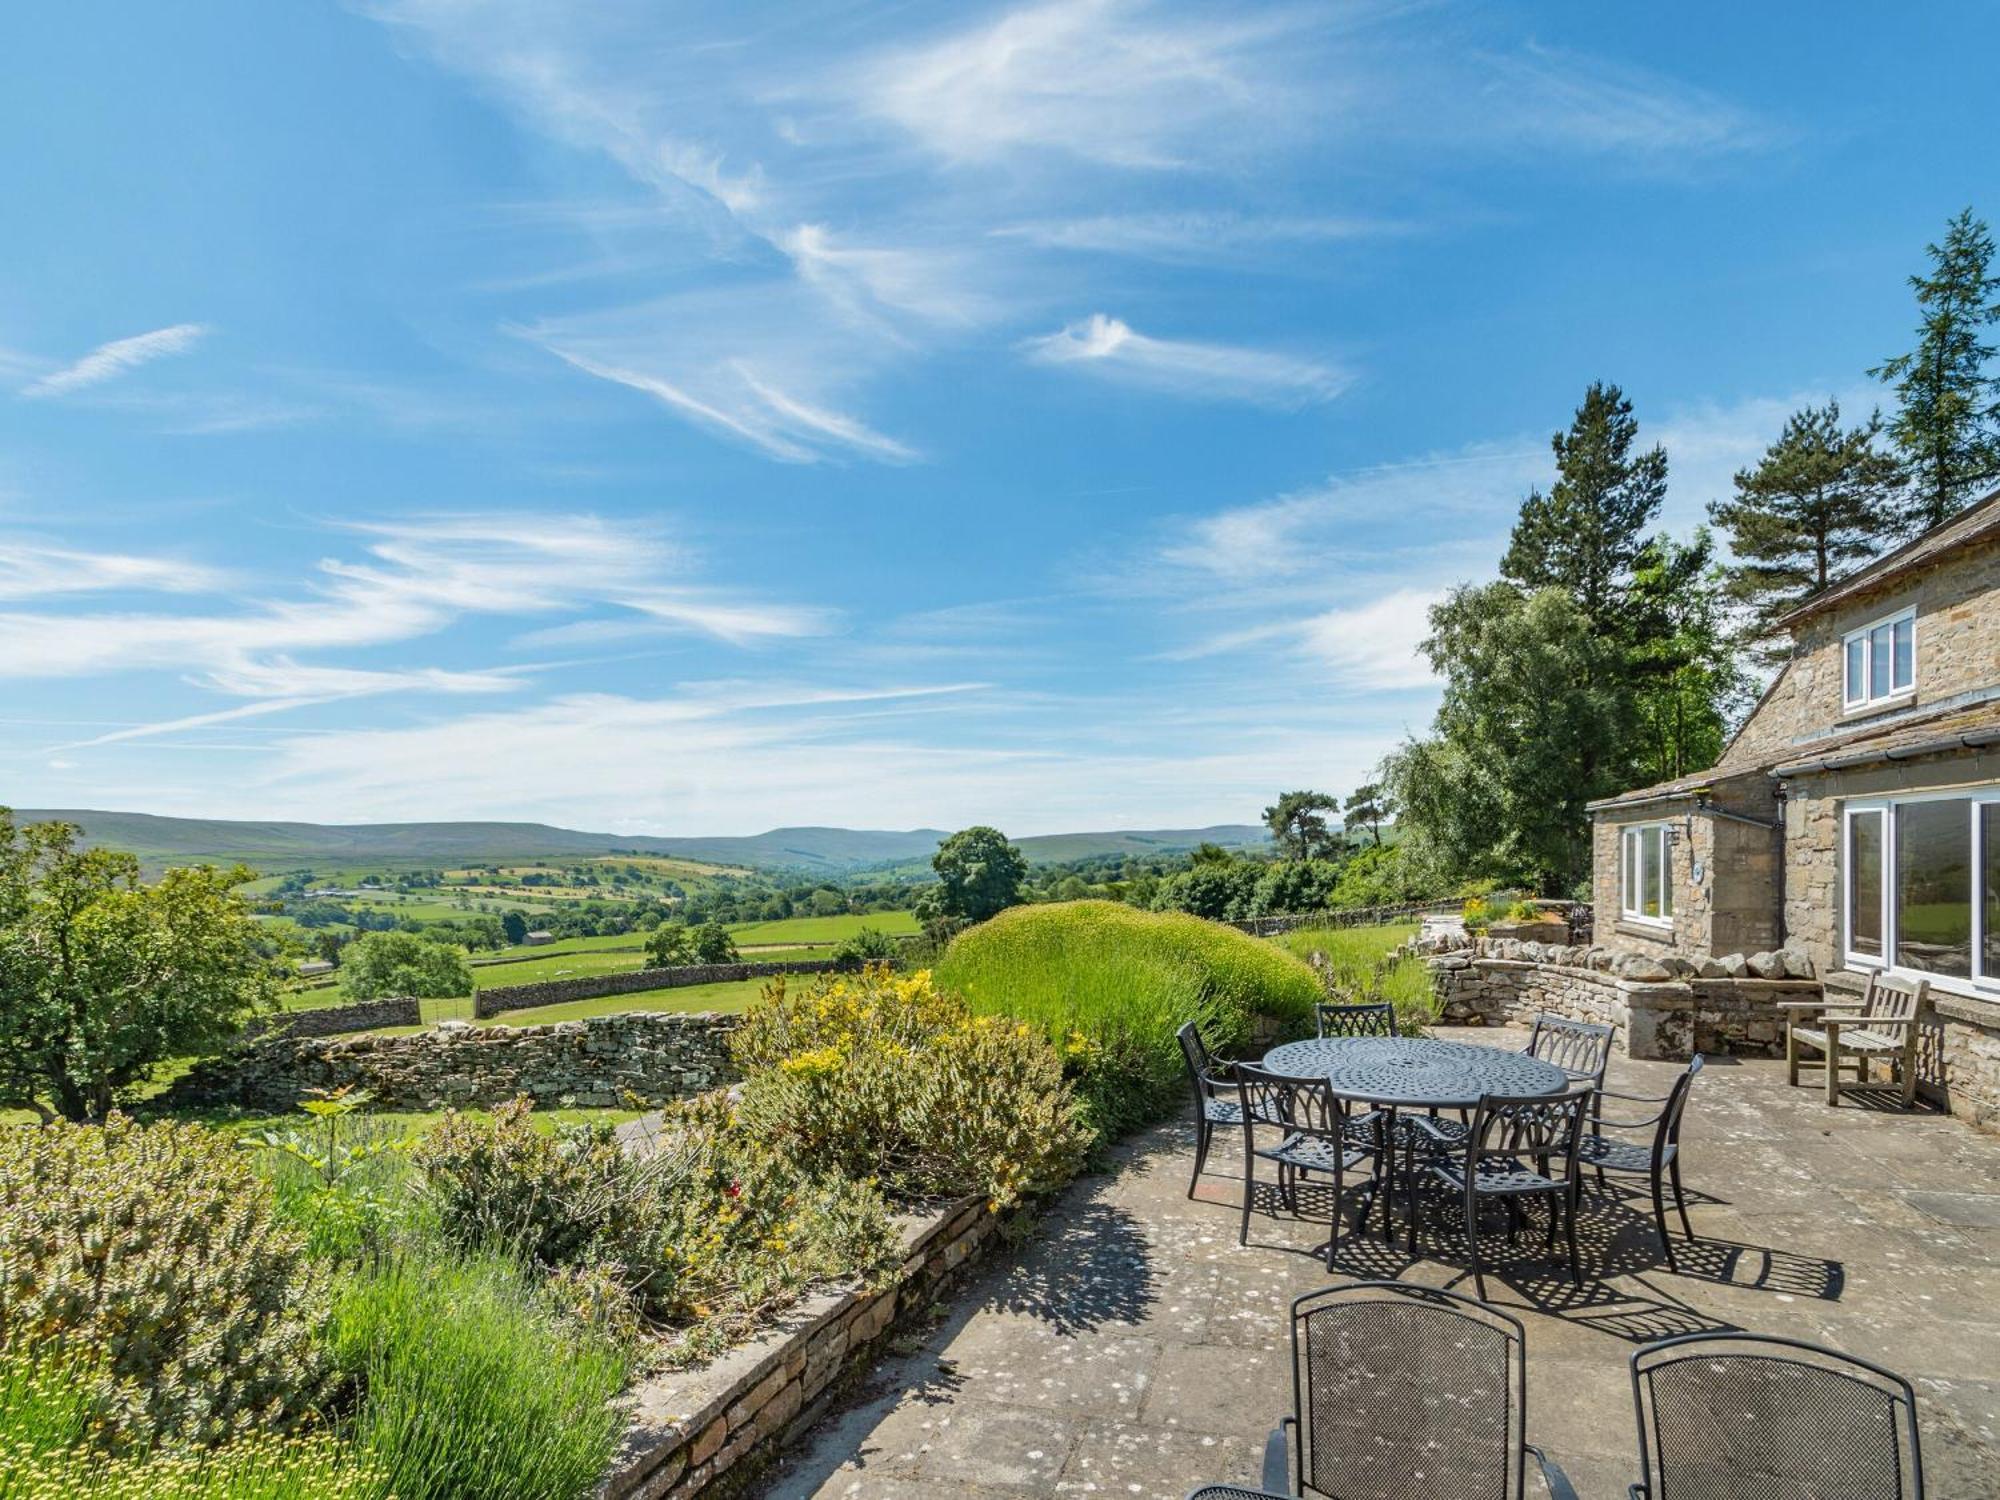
(824, 929)
(732, 995)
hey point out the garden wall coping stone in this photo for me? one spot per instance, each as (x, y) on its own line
(707, 1431)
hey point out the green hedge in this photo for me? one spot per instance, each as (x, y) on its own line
(1111, 985)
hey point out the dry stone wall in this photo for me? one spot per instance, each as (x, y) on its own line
(331, 1020)
(709, 1430)
(1666, 1007)
(650, 1057)
(503, 998)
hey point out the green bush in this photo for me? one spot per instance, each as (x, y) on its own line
(403, 963)
(1359, 968)
(869, 945)
(49, 1450)
(1110, 986)
(709, 1232)
(1479, 914)
(471, 1384)
(156, 1251)
(564, 1198)
(875, 1076)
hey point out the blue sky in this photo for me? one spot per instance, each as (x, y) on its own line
(1059, 415)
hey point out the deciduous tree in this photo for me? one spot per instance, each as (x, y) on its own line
(402, 963)
(979, 873)
(103, 977)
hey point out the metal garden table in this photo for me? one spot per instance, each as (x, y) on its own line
(1395, 1073)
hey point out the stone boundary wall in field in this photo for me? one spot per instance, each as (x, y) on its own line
(331, 1020)
(1355, 916)
(601, 1062)
(709, 1430)
(502, 998)
(1664, 1007)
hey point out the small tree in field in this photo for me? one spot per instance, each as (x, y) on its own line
(979, 874)
(514, 926)
(103, 977)
(1297, 821)
(670, 947)
(402, 963)
(714, 945)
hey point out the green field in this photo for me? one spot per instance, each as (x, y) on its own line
(824, 929)
(733, 995)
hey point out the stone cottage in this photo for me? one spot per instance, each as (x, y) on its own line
(1855, 817)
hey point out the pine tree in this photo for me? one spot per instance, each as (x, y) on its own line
(1947, 424)
(1584, 535)
(1822, 498)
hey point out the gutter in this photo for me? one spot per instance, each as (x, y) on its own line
(1977, 739)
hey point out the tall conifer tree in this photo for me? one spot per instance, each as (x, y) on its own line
(1947, 423)
(1585, 533)
(1823, 498)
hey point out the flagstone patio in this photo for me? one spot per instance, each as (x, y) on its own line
(1131, 1348)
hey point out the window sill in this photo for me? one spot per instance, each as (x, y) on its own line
(1969, 999)
(1658, 932)
(1904, 699)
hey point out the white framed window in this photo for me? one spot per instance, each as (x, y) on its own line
(1880, 661)
(1920, 882)
(1646, 874)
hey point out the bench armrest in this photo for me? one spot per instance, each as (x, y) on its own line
(1817, 1007)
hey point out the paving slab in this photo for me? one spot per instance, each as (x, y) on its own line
(1131, 1347)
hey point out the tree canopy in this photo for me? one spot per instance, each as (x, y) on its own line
(103, 977)
(377, 964)
(1298, 825)
(1822, 499)
(1947, 422)
(979, 873)
(1367, 807)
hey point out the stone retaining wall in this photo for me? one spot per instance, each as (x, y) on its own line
(692, 1430)
(601, 1062)
(331, 1020)
(1667, 1008)
(502, 998)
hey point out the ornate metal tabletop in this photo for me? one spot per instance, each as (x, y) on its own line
(1411, 1070)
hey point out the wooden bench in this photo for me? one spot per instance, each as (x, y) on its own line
(1883, 1024)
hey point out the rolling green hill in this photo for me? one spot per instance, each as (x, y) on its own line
(277, 846)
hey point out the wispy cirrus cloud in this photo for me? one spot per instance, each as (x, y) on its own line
(1113, 349)
(109, 360)
(29, 570)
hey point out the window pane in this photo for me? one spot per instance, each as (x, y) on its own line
(1857, 683)
(1989, 879)
(1649, 854)
(1878, 662)
(1864, 884)
(1666, 874)
(1934, 886)
(1905, 673)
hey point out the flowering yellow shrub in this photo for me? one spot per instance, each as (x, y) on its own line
(886, 1077)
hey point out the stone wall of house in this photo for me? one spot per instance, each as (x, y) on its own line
(503, 998)
(710, 1430)
(649, 1057)
(1665, 1006)
(331, 1020)
(1733, 908)
(1958, 643)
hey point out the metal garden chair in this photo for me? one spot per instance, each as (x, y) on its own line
(1404, 1392)
(1581, 1049)
(1211, 1075)
(1231, 1492)
(1509, 1154)
(1307, 1130)
(1884, 1025)
(1739, 1416)
(1356, 1020)
(1659, 1160)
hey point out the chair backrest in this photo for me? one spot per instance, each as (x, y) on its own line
(1538, 1125)
(1356, 1020)
(1894, 997)
(1409, 1392)
(1737, 1416)
(1676, 1106)
(1306, 1106)
(1194, 1053)
(1581, 1049)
